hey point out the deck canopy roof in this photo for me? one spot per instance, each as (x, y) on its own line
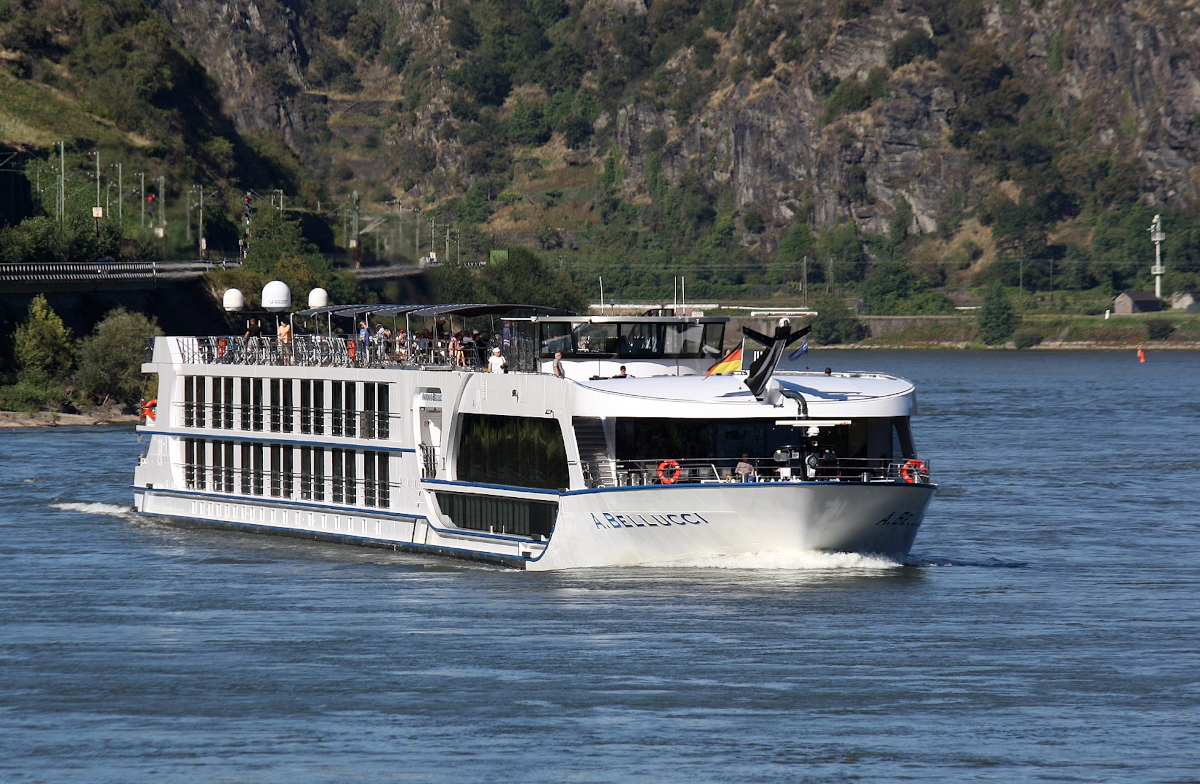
(462, 310)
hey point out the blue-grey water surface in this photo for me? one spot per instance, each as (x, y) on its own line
(1044, 629)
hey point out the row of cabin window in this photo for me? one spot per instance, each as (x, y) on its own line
(287, 406)
(305, 473)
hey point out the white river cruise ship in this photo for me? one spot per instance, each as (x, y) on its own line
(631, 456)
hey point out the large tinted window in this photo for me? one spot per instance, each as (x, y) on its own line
(501, 515)
(678, 439)
(517, 451)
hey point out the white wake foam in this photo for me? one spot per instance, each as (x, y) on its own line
(801, 560)
(112, 510)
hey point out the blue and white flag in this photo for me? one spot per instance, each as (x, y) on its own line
(799, 352)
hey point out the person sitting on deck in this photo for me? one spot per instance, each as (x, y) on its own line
(744, 470)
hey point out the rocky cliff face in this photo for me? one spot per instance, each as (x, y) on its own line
(254, 50)
(1124, 79)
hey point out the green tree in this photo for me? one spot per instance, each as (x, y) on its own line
(279, 250)
(842, 249)
(997, 321)
(452, 283)
(793, 248)
(42, 342)
(527, 123)
(526, 278)
(898, 228)
(109, 361)
(835, 323)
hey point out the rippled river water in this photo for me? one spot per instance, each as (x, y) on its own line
(1045, 628)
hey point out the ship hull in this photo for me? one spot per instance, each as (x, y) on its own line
(612, 527)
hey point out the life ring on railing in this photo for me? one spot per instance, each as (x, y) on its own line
(668, 472)
(350, 349)
(912, 470)
(148, 409)
(221, 344)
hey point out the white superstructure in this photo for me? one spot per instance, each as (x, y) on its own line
(409, 444)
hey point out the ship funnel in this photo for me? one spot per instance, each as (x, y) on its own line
(233, 301)
(276, 296)
(318, 298)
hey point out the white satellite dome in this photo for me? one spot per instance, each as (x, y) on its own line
(233, 300)
(276, 296)
(318, 298)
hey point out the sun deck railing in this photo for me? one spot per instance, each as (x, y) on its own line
(336, 351)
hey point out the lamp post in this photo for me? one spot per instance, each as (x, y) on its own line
(1157, 236)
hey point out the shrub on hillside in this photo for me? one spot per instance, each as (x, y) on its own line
(35, 391)
(908, 47)
(1159, 329)
(1026, 337)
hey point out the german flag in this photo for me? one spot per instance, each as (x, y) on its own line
(731, 362)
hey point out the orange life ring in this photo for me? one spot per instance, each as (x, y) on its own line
(221, 348)
(668, 472)
(350, 349)
(148, 409)
(911, 471)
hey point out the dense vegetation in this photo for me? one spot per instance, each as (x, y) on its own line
(521, 136)
(55, 371)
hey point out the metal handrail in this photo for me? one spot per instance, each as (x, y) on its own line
(708, 470)
(325, 351)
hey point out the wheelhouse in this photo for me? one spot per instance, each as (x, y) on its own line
(641, 338)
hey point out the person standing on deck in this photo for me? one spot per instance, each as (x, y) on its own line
(285, 341)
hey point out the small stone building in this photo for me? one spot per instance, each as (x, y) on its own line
(1129, 302)
(1181, 300)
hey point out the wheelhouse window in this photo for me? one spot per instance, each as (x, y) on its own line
(556, 336)
(517, 451)
(631, 340)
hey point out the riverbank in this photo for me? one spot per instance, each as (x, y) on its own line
(1170, 330)
(96, 417)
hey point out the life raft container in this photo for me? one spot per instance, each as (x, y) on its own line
(668, 472)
